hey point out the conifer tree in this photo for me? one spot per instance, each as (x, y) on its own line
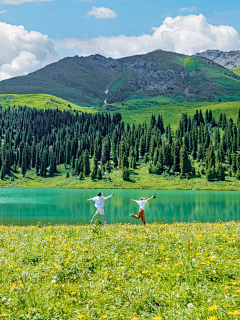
(115, 159)
(7, 162)
(23, 166)
(108, 167)
(99, 174)
(210, 157)
(176, 156)
(142, 146)
(220, 172)
(38, 162)
(86, 163)
(52, 165)
(3, 173)
(105, 156)
(234, 163)
(183, 160)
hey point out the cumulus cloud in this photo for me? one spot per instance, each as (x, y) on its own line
(183, 34)
(24, 51)
(17, 2)
(191, 9)
(3, 11)
(102, 13)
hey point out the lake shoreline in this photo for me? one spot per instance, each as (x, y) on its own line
(212, 188)
(140, 179)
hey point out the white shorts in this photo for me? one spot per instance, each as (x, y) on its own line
(101, 211)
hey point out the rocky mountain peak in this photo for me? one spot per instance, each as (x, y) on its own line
(229, 60)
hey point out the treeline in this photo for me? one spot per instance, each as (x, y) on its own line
(92, 144)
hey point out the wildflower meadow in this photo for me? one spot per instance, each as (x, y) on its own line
(161, 271)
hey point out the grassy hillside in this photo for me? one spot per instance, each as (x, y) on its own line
(40, 101)
(138, 110)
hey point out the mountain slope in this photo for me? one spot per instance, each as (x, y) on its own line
(96, 80)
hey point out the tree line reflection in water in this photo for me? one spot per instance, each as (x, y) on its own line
(23, 206)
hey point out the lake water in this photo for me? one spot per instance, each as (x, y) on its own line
(27, 206)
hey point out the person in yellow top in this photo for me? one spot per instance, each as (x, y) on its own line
(99, 204)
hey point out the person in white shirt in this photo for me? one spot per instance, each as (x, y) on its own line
(99, 204)
(142, 202)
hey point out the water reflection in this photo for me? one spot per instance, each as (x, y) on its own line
(24, 206)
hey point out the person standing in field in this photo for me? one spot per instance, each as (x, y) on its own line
(99, 204)
(142, 202)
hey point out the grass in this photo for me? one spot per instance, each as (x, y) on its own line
(237, 71)
(140, 179)
(192, 63)
(172, 112)
(40, 101)
(161, 271)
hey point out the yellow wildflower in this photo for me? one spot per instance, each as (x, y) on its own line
(214, 307)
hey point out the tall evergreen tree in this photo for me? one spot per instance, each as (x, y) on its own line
(86, 163)
(184, 160)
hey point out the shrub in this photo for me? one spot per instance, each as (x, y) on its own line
(126, 174)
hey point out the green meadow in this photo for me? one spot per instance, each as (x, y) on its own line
(161, 271)
(140, 110)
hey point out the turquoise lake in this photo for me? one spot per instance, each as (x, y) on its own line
(28, 206)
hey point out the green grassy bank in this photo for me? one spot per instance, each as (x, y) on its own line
(139, 179)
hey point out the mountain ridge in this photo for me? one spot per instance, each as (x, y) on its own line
(227, 59)
(96, 80)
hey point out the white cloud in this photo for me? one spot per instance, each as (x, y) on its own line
(191, 9)
(102, 13)
(3, 11)
(183, 34)
(21, 65)
(17, 2)
(24, 51)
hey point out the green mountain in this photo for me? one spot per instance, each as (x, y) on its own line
(97, 81)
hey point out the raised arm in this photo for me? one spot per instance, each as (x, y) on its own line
(134, 200)
(112, 195)
(150, 198)
(90, 199)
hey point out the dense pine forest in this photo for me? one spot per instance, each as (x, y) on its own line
(93, 144)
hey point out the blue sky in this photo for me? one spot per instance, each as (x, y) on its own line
(67, 18)
(52, 29)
